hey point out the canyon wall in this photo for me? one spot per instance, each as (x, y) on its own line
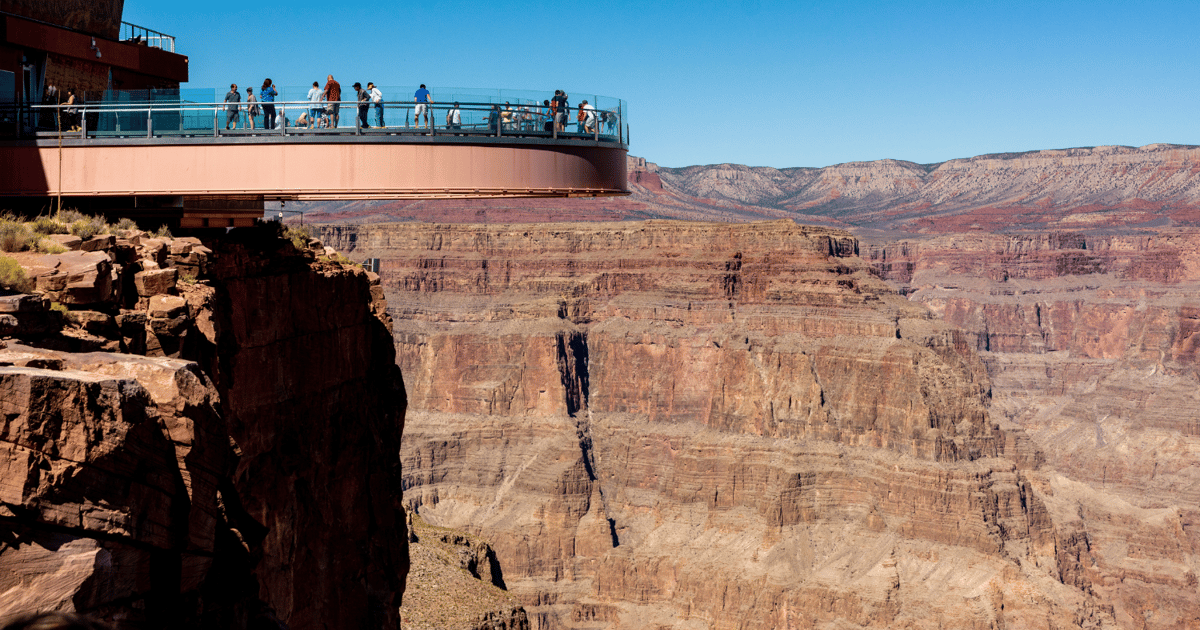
(1090, 340)
(684, 425)
(246, 474)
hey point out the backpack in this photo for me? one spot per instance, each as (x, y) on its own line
(582, 115)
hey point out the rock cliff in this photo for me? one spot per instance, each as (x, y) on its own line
(1090, 342)
(246, 475)
(699, 425)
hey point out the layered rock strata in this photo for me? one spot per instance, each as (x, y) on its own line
(253, 481)
(697, 425)
(1090, 342)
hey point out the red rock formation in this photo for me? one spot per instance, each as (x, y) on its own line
(256, 486)
(1090, 343)
(696, 425)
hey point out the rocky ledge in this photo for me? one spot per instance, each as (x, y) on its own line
(201, 434)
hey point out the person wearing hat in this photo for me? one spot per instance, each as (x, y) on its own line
(364, 103)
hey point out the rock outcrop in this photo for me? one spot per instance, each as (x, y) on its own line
(456, 584)
(249, 479)
(1090, 342)
(697, 425)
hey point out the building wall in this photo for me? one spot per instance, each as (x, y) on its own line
(97, 17)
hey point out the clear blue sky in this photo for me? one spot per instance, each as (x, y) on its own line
(764, 83)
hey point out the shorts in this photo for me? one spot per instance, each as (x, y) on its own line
(420, 109)
(562, 118)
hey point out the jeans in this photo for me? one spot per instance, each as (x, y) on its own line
(362, 116)
(268, 116)
(378, 114)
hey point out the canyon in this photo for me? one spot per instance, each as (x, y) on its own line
(665, 424)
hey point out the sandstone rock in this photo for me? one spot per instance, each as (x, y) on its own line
(717, 425)
(183, 246)
(123, 480)
(8, 324)
(96, 323)
(23, 303)
(149, 264)
(167, 307)
(103, 242)
(70, 241)
(155, 282)
(82, 278)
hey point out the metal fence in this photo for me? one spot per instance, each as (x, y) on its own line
(166, 113)
(142, 35)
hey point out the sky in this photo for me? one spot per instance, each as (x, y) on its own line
(755, 82)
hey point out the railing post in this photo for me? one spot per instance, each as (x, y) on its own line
(215, 131)
(83, 121)
(357, 122)
(150, 122)
(432, 121)
(281, 114)
(499, 114)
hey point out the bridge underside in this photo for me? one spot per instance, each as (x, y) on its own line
(204, 184)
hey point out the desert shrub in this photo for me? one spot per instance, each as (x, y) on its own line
(126, 224)
(299, 235)
(12, 276)
(163, 232)
(15, 235)
(188, 277)
(47, 246)
(337, 257)
(88, 227)
(45, 225)
(69, 216)
(60, 307)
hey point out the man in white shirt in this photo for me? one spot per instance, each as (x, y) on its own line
(454, 117)
(377, 98)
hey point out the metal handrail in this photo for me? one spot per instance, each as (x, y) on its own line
(152, 38)
(526, 120)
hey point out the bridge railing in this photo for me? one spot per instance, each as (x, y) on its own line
(166, 119)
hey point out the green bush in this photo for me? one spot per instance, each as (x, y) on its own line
(46, 225)
(15, 236)
(69, 216)
(299, 235)
(12, 276)
(126, 224)
(88, 227)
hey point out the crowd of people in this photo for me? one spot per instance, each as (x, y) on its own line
(324, 110)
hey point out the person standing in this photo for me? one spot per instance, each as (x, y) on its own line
(333, 96)
(454, 118)
(364, 103)
(267, 94)
(314, 99)
(422, 99)
(231, 110)
(69, 118)
(251, 107)
(589, 117)
(377, 99)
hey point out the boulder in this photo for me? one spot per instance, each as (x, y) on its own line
(155, 282)
(75, 277)
(70, 241)
(167, 307)
(94, 322)
(23, 303)
(102, 242)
